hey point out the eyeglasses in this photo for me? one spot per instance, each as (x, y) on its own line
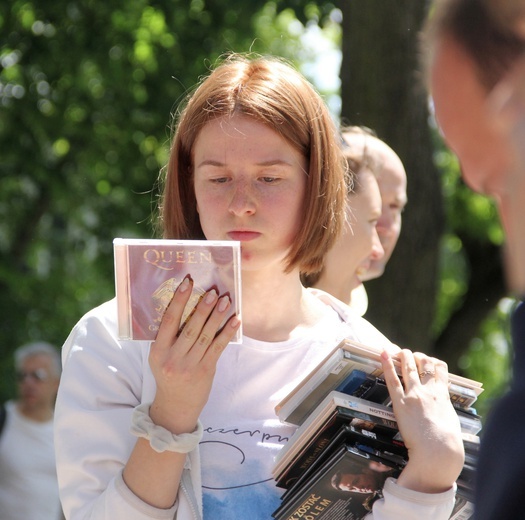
(39, 375)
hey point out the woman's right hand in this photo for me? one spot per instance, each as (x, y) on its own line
(184, 362)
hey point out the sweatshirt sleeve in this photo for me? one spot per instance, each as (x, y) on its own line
(118, 501)
(400, 502)
(100, 386)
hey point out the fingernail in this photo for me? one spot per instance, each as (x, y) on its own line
(185, 285)
(210, 297)
(224, 303)
(234, 322)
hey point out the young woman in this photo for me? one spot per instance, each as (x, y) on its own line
(185, 427)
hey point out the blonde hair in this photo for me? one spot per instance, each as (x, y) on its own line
(275, 94)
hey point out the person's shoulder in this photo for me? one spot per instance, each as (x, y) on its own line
(365, 332)
(7, 408)
(97, 326)
(104, 311)
(96, 335)
(102, 318)
(359, 329)
(10, 405)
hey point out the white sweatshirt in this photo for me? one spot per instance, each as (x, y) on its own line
(104, 379)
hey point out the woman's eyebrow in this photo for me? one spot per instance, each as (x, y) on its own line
(269, 162)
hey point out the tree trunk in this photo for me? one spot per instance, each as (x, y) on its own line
(381, 90)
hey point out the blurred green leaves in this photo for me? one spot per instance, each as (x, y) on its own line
(472, 224)
(88, 91)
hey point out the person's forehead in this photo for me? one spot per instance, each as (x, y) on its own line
(390, 171)
(37, 360)
(369, 192)
(392, 181)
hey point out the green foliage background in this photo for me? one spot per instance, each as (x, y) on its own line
(88, 91)
(487, 357)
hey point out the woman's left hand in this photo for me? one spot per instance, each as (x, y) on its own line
(427, 421)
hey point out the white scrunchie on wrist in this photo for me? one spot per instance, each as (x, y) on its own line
(159, 438)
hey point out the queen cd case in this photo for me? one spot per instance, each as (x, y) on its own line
(148, 271)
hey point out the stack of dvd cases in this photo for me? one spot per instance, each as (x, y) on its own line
(347, 442)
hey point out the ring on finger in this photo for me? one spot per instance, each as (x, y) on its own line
(427, 373)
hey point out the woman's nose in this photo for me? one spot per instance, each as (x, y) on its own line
(242, 199)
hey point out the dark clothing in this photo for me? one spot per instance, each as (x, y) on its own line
(500, 486)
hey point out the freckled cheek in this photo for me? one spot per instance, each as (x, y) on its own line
(210, 210)
(208, 202)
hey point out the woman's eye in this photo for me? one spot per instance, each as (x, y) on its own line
(269, 180)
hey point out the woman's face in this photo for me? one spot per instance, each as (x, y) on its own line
(250, 185)
(359, 243)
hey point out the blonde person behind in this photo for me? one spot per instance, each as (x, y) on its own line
(358, 245)
(392, 181)
(184, 427)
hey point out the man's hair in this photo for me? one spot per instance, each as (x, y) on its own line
(38, 348)
(275, 94)
(483, 29)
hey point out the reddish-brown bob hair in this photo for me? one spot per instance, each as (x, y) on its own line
(274, 93)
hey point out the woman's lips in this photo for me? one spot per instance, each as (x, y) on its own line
(244, 236)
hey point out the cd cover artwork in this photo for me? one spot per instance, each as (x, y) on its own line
(148, 271)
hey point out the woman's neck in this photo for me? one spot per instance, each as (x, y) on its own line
(273, 307)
